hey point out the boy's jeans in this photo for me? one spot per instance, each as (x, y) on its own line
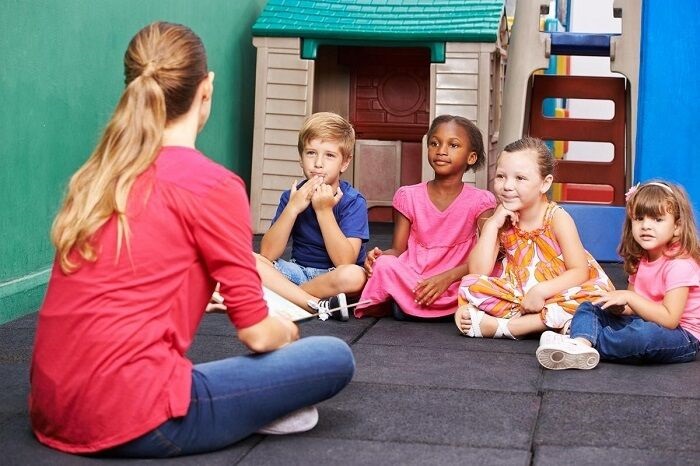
(296, 273)
(232, 398)
(631, 339)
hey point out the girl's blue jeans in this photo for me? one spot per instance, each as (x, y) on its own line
(234, 397)
(631, 339)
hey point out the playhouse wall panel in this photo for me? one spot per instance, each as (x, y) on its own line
(281, 166)
(459, 65)
(286, 91)
(467, 111)
(288, 122)
(271, 197)
(456, 96)
(456, 81)
(267, 213)
(285, 107)
(282, 137)
(278, 182)
(281, 152)
(283, 100)
(285, 76)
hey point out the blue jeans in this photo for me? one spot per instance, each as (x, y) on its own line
(631, 339)
(234, 397)
(298, 274)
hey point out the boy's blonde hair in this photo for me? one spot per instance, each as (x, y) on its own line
(328, 126)
(163, 67)
(655, 199)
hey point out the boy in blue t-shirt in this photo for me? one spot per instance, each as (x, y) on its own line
(326, 219)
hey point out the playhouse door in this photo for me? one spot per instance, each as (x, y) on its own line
(389, 109)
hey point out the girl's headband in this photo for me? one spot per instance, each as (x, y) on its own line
(636, 187)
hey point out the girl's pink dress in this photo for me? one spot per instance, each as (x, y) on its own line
(437, 241)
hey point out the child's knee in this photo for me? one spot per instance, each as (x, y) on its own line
(350, 278)
(587, 307)
(383, 261)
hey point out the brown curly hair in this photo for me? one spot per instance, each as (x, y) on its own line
(653, 200)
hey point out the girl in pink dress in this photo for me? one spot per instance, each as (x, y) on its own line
(435, 227)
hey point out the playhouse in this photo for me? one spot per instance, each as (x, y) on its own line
(389, 68)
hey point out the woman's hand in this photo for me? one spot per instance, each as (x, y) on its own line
(370, 259)
(428, 290)
(291, 327)
(216, 302)
(269, 334)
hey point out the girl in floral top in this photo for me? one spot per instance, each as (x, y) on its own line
(544, 272)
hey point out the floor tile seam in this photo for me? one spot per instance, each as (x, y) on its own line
(363, 332)
(452, 389)
(536, 424)
(646, 395)
(418, 442)
(252, 447)
(445, 348)
(3, 360)
(674, 449)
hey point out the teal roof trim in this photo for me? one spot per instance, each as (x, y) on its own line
(382, 20)
(309, 47)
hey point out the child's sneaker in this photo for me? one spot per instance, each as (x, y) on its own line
(550, 337)
(338, 305)
(297, 421)
(562, 352)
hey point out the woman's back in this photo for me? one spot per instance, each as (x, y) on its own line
(136, 316)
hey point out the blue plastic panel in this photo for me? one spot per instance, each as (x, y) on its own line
(669, 92)
(589, 45)
(600, 228)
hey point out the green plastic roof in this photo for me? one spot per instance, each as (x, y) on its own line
(382, 20)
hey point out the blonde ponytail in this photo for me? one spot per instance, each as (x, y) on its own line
(164, 64)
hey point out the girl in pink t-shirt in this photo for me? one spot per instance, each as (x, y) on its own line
(435, 227)
(657, 319)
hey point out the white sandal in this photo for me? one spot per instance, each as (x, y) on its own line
(475, 331)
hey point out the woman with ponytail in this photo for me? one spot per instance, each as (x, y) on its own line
(149, 225)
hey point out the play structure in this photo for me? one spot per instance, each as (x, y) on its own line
(651, 80)
(389, 68)
(596, 186)
(669, 90)
(390, 71)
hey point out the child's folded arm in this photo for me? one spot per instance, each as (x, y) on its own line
(341, 250)
(274, 241)
(667, 313)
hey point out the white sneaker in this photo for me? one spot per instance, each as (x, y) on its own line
(561, 352)
(295, 422)
(550, 337)
(337, 305)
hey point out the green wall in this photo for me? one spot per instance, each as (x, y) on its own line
(60, 79)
